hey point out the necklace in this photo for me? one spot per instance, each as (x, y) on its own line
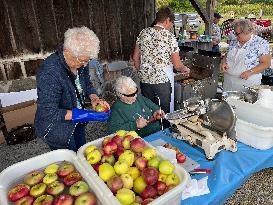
(160, 26)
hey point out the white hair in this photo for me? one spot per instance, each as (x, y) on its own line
(82, 41)
(245, 25)
(123, 83)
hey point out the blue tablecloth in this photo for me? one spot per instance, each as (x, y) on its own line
(229, 170)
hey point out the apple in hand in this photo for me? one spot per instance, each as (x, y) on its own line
(150, 175)
(63, 200)
(78, 188)
(86, 199)
(44, 200)
(166, 167)
(125, 196)
(49, 178)
(101, 108)
(127, 180)
(110, 159)
(65, 169)
(34, 177)
(115, 183)
(141, 163)
(110, 147)
(148, 192)
(181, 158)
(137, 145)
(72, 178)
(106, 171)
(160, 187)
(148, 153)
(121, 167)
(38, 190)
(139, 185)
(18, 191)
(52, 168)
(172, 179)
(93, 157)
(26, 200)
(55, 188)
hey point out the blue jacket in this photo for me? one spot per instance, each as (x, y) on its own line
(56, 95)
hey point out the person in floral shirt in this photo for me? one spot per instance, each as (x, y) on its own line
(248, 56)
(155, 54)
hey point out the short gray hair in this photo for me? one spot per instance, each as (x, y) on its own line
(82, 41)
(123, 83)
(245, 25)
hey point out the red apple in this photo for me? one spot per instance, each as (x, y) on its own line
(55, 188)
(160, 187)
(118, 140)
(101, 108)
(110, 148)
(105, 140)
(86, 199)
(181, 158)
(150, 175)
(96, 166)
(65, 169)
(63, 200)
(141, 163)
(137, 145)
(17, 192)
(26, 200)
(119, 151)
(115, 183)
(147, 201)
(72, 178)
(168, 188)
(148, 192)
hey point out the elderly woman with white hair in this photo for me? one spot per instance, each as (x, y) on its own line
(132, 111)
(63, 86)
(248, 56)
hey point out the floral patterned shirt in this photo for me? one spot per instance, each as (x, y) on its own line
(156, 48)
(216, 32)
(255, 47)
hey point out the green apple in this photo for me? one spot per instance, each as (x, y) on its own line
(43, 200)
(89, 149)
(38, 190)
(78, 188)
(139, 185)
(134, 172)
(125, 196)
(106, 171)
(148, 153)
(127, 180)
(132, 133)
(128, 156)
(121, 167)
(121, 133)
(162, 177)
(49, 178)
(94, 156)
(166, 167)
(55, 188)
(154, 162)
(52, 168)
(172, 179)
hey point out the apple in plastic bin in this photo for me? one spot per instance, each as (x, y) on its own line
(120, 133)
(89, 149)
(121, 167)
(106, 171)
(141, 163)
(128, 156)
(65, 169)
(137, 145)
(134, 172)
(150, 175)
(101, 108)
(96, 166)
(110, 147)
(166, 167)
(154, 162)
(132, 133)
(78, 188)
(55, 188)
(72, 178)
(181, 158)
(127, 180)
(119, 151)
(139, 185)
(160, 187)
(105, 140)
(49, 178)
(125, 196)
(26, 200)
(34, 177)
(147, 201)
(126, 142)
(118, 140)
(115, 183)
(148, 153)
(110, 159)
(63, 200)
(162, 177)
(18, 191)
(148, 192)
(38, 190)
(52, 168)
(172, 179)
(86, 199)
(94, 156)
(44, 200)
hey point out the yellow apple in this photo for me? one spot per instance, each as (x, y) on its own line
(121, 167)
(148, 153)
(125, 196)
(166, 167)
(127, 180)
(162, 177)
(52, 168)
(132, 133)
(128, 156)
(139, 185)
(172, 179)
(89, 149)
(94, 156)
(121, 133)
(106, 171)
(134, 172)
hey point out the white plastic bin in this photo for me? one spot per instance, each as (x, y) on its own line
(18, 170)
(172, 197)
(254, 125)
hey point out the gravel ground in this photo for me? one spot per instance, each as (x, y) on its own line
(257, 190)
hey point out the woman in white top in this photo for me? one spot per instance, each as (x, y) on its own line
(155, 54)
(247, 57)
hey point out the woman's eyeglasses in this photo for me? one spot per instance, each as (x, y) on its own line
(130, 95)
(237, 34)
(83, 62)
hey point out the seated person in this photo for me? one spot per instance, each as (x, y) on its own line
(132, 111)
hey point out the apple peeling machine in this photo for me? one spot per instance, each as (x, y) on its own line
(209, 124)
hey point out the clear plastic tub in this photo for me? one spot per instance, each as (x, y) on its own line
(172, 197)
(12, 174)
(254, 125)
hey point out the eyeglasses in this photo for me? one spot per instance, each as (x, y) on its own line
(237, 34)
(130, 95)
(83, 62)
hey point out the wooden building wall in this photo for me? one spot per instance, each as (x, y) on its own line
(35, 26)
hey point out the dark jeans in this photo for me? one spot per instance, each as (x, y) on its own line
(163, 91)
(77, 139)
